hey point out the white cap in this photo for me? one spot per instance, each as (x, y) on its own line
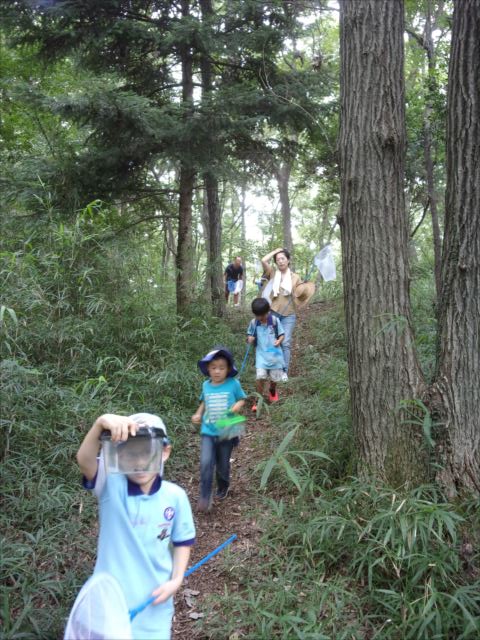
(149, 420)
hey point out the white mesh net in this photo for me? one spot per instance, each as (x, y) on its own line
(99, 612)
(325, 263)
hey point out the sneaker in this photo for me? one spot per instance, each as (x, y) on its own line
(254, 407)
(204, 505)
(273, 397)
(284, 377)
(222, 493)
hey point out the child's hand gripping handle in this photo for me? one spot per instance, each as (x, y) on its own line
(134, 612)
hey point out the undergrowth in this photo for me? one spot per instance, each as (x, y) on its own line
(340, 557)
(84, 329)
(84, 332)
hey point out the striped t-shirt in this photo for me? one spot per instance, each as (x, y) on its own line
(218, 399)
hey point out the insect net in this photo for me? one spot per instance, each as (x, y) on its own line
(99, 612)
(325, 263)
(230, 426)
(238, 286)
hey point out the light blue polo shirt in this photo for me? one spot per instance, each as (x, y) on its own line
(137, 532)
(267, 356)
(218, 399)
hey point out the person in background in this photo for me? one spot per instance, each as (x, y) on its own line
(280, 293)
(260, 282)
(266, 332)
(232, 274)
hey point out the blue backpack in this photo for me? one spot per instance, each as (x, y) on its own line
(272, 321)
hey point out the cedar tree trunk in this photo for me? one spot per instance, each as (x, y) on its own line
(458, 382)
(383, 370)
(184, 258)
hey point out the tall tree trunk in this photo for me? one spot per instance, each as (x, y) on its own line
(458, 381)
(383, 370)
(432, 201)
(215, 266)
(184, 258)
(426, 42)
(428, 147)
(206, 240)
(243, 237)
(165, 255)
(282, 174)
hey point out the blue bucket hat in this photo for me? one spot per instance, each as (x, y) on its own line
(218, 353)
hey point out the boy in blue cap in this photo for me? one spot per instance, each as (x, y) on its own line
(221, 393)
(146, 523)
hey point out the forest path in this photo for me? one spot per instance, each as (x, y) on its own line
(236, 514)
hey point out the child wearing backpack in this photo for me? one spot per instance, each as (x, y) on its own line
(267, 333)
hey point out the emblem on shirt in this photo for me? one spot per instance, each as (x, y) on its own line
(169, 513)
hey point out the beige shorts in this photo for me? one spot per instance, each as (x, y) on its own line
(275, 375)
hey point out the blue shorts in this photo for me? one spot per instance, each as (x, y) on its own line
(231, 284)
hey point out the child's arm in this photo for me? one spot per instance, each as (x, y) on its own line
(280, 331)
(119, 427)
(238, 406)
(181, 555)
(251, 339)
(197, 416)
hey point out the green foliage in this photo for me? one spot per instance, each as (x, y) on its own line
(340, 557)
(87, 326)
(87, 322)
(426, 79)
(423, 306)
(401, 573)
(280, 459)
(124, 96)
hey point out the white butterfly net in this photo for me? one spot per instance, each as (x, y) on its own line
(238, 286)
(325, 263)
(99, 612)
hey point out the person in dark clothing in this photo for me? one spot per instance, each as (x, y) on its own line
(232, 274)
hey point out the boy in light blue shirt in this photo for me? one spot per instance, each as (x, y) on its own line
(267, 333)
(221, 394)
(146, 523)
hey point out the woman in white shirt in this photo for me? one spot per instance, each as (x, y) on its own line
(280, 292)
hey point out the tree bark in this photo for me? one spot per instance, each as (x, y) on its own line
(215, 266)
(458, 381)
(282, 174)
(428, 146)
(243, 238)
(184, 258)
(383, 369)
(206, 241)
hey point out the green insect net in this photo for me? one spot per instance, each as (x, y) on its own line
(230, 426)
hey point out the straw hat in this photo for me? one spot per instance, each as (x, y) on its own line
(303, 292)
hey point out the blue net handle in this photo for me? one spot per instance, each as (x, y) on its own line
(134, 612)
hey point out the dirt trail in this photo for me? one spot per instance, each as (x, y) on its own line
(233, 515)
